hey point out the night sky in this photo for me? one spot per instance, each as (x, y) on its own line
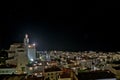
(61, 25)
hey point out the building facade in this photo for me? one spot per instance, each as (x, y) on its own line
(21, 54)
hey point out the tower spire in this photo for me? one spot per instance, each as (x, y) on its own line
(26, 40)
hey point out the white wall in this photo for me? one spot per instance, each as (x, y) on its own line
(7, 71)
(31, 53)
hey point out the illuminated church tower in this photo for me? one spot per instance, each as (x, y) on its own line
(22, 55)
(26, 41)
(30, 49)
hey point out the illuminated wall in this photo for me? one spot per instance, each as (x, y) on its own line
(31, 53)
(22, 60)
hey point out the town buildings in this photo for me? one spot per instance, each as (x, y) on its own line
(56, 65)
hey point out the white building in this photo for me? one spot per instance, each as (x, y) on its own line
(7, 71)
(21, 54)
(31, 52)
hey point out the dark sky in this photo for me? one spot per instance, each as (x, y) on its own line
(61, 25)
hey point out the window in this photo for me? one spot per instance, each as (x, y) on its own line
(52, 77)
(20, 50)
(51, 73)
(23, 68)
(2, 71)
(6, 71)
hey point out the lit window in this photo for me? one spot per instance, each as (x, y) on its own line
(34, 64)
(48, 63)
(40, 64)
(46, 66)
(40, 73)
(30, 68)
(29, 46)
(35, 67)
(35, 74)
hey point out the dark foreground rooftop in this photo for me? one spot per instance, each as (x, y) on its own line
(19, 77)
(51, 69)
(12, 77)
(95, 75)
